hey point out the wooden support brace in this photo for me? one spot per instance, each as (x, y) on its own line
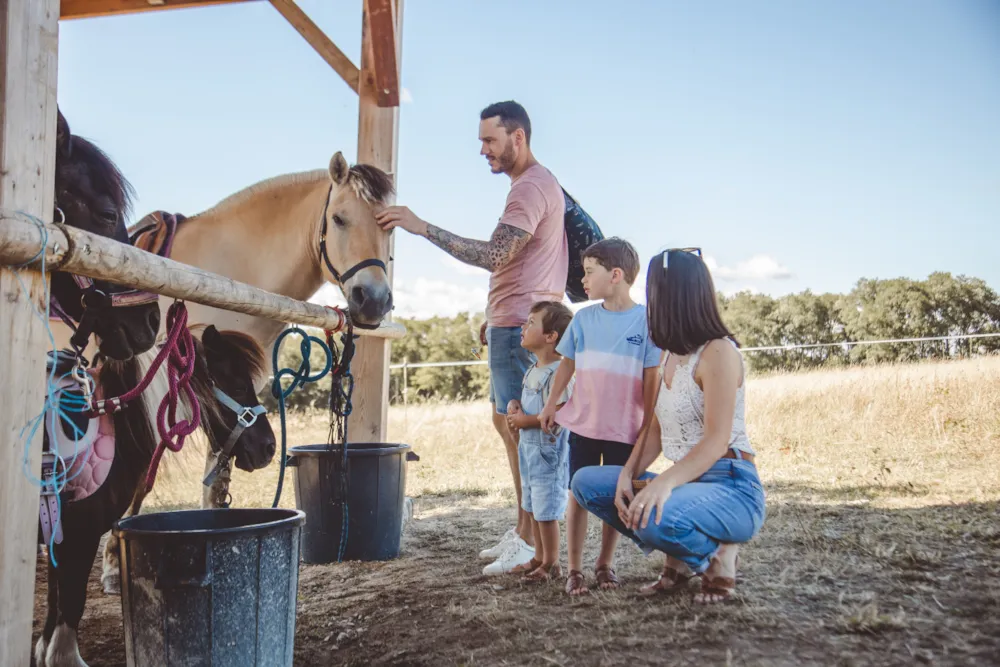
(29, 37)
(324, 46)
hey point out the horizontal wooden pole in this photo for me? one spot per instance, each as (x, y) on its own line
(76, 251)
(82, 9)
(316, 38)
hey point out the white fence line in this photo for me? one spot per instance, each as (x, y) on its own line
(770, 348)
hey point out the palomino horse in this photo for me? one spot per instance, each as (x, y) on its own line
(226, 367)
(288, 235)
(92, 195)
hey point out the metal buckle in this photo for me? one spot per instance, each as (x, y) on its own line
(244, 421)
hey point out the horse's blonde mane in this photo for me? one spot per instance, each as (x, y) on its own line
(369, 184)
(284, 180)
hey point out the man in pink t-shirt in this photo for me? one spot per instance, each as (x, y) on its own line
(528, 259)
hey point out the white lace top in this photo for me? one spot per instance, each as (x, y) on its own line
(680, 410)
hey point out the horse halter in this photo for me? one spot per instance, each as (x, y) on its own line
(347, 275)
(95, 301)
(245, 418)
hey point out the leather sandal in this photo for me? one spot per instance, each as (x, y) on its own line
(606, 578)
(670, 579)
(576, 584)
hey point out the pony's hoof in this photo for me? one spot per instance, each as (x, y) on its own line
(40, 647)
(112, 583)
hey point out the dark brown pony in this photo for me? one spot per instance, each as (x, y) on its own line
(93, 195)
(228, 362)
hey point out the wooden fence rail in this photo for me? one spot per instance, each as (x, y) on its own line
(77, 251)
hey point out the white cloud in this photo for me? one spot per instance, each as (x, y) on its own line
(426, 298)
(758, 267)
(405, 96)
(463, 268)
(421, 298)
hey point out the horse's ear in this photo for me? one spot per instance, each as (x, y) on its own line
(212, 339)
(64, 139)
(339, 169)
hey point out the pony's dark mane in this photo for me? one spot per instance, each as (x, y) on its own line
(131, 425)
(104, 173)
(251, 352)
(370, 183)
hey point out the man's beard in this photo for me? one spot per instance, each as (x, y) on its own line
(506, 160)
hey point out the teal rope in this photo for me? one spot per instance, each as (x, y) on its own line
(300, 377)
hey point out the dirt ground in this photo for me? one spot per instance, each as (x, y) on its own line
(830, 585)
(881, 545)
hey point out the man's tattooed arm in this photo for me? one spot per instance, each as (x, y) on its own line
(491, 255)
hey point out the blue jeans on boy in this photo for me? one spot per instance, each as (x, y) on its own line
(726, 504)
(508, 362)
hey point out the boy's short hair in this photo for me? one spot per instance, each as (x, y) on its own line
(555, 317)
(615, 253)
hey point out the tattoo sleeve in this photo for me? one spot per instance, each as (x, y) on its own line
(491, 255)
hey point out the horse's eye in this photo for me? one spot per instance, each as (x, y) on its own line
(109, 215)
(337, 220)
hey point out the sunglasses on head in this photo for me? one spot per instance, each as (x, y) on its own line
(666, 254)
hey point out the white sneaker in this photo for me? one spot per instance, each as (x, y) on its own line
(497, 550)
(518, 553)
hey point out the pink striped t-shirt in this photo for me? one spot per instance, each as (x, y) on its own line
(611, 350)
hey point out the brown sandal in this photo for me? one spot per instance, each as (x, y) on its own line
(530, 566)
(576, 584)
(670, 579)
(607, 580)
(721, 587)
(541, 574)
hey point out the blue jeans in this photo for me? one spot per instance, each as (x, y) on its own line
(726, 504)
(508, 362)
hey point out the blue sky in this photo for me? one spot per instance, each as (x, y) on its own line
(803, 145)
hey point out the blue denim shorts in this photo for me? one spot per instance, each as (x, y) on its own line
(508, 362)
(544, 464)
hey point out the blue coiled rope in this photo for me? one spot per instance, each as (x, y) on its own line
(341, 389)
(300, 376)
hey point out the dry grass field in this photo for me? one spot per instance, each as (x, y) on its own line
(881, 544)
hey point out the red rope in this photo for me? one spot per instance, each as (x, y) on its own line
(180, 355)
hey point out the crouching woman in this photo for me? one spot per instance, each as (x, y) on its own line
(710, 500)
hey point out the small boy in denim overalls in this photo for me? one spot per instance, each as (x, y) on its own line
(543, 457)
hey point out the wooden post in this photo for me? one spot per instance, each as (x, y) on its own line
(406, 382)
(378, 134)
(29, 36)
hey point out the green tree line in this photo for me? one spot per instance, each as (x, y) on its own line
(941, 305)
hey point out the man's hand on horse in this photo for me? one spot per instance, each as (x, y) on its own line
(392, 217)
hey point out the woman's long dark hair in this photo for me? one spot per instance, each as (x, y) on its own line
(681, 306)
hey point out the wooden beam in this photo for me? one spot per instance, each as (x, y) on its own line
(82, 9)
(86, 254)
(378, 138)
(382, 28)
(324, 46)
(29, 39)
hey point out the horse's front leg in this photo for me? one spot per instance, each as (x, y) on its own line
(217, 494)
(110, 574)
(75, 557)
(50, 620)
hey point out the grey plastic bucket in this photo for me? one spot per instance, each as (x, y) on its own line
(210, 587)
(376, 498)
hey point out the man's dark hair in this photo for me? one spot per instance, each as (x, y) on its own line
(615, 253)
(555, 317)
(681, 305)
(512, 116)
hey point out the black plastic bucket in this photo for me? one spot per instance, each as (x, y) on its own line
(210, 587)
(376, 474)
